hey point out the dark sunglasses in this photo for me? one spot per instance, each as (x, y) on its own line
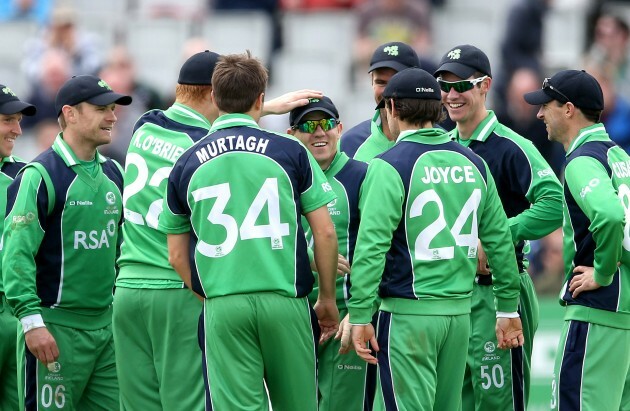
(309, 126)
(547, 86)
(459, 86)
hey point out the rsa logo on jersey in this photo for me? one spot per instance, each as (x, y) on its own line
(95, 239)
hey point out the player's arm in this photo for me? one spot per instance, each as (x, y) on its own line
(495, 236)
(324, 251)
(289, 101)
(544, 192)
(594, 193)
(23, 234)
(175, 223)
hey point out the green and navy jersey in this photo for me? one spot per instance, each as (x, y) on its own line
(596, 227)
(59, 257)
(528, 188)
(159, 139)
(345, 177)
(240, 193)
(9, 167)
(376, 143)
(352, 139)
(425, 204)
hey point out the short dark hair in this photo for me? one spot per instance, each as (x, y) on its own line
(591, 115)
(237, 81)
(418, 111)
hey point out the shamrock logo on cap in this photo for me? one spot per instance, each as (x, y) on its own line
(104, 85)
(454, 54)
(391, 50)
(7, 90)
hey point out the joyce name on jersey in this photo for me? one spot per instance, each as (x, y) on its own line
(242, 190)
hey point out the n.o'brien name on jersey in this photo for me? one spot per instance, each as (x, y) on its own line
(158, 146)
(231, 143)
(621, 168)
(455, 174)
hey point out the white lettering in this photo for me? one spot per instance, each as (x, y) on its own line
(455, 174)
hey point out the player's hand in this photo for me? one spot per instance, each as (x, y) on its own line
(482, 261)
(289, 101)
(344, 333)
(343, 266)
(509, 333)
(362, 334)
(584, 281)
(328, 318)
(42, 345)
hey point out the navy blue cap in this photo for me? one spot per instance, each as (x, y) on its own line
(394, 55)
(198, 69)
(10, 104)
(464, 61)
(413, 83)
(324, 104)
(579, 87)
(90, 89)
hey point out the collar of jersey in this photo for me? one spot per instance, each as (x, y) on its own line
(67, 155)
(186, 115)
(424, 136)
(337, 164)
(596, 132)
(233, 120)
(8, 159)
(483, 130)
(376, 130)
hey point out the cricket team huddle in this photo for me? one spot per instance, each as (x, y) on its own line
(229, 267)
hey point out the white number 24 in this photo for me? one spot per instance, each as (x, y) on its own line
(422, 250)
(268, 194)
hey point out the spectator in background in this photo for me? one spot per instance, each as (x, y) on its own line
(62, 34)
(269, 7)
(616, 113)
(316, 5)
(29, 10)
(610, 47)
(521, 45)
(119, 72)
(547, 269)
(383, 21)
(53, 72)
(521, 117)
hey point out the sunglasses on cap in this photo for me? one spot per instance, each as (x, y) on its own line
(459, 86)
(547, 86)
(309, 126)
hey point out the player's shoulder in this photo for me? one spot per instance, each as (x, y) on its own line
(352, 139)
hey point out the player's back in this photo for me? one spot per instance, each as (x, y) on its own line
(434, 249)
(159, 139)
(245, 190)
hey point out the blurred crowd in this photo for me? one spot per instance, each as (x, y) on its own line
(62, 47)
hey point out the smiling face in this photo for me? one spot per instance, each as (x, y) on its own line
(468, 107)
(9, 130)
(94, 124)
(322, 144)
(552, 114)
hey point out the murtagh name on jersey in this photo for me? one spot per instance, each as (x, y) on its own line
(231, 143)
(94, 239)
(455, 174)
(159, 147)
